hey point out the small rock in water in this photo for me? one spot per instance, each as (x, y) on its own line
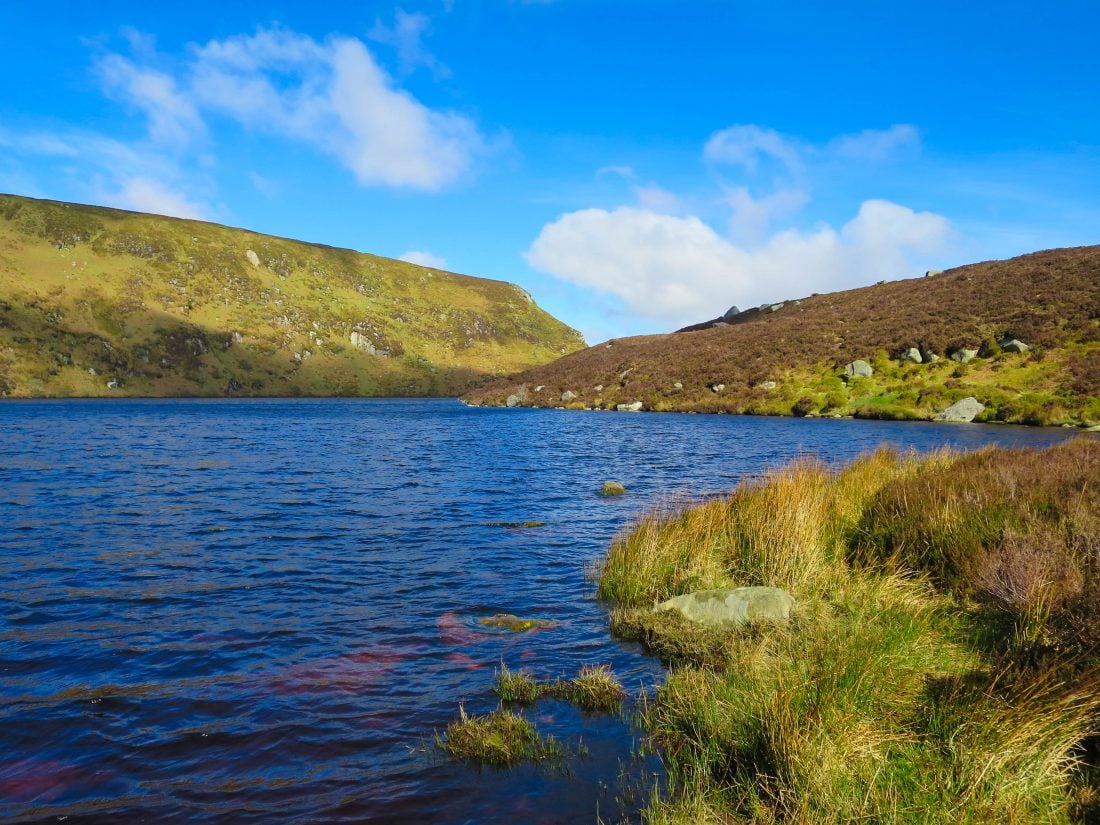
(736, 605)
(509, 621)
(612, 488)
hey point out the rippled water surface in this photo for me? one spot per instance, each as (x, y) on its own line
(259, 611)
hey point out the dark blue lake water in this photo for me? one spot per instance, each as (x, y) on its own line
(256, 611)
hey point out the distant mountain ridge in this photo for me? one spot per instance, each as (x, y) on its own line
(790, 357)
(97, 301)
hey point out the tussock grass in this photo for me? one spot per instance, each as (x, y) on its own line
(501, 738)
(595, 688)
(942, 663)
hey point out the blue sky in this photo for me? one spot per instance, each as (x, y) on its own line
(635, 165)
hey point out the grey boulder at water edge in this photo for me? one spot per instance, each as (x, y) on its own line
(736, 605)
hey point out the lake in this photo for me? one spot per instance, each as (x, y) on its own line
(262, 610)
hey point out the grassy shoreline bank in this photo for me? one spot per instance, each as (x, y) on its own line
(941, 664)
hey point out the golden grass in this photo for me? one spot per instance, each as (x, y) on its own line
(894, 694)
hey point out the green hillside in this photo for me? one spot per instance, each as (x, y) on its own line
(1020, 336)
(103, 302)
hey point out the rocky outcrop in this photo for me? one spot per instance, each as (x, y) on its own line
(858, 369)
(732, 605)
(963, 411)
(732, 312)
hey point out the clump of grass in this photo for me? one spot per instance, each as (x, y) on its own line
(943, 664)
(595, 688)
(517, 687)
(501, 738)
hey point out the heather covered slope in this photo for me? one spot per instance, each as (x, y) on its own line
(1049, 300)
(97, 301)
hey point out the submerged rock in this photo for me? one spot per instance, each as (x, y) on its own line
(962, 411)
(509, 621)
(736, 605)
(612, 488)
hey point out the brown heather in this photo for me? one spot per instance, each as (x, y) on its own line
(1050, 300)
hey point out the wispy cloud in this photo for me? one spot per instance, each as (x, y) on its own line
(406, 36)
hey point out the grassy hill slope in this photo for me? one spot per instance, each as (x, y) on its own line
(97, 301)
(791, 359)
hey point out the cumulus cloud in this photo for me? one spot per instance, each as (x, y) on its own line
(678, 270)
(651, 196)
(334, 96)
(424, 259)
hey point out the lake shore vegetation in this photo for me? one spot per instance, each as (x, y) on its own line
(941, 664)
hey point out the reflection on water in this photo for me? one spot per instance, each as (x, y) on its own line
(255, 611)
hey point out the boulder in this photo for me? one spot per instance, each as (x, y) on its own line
(598, 388)
(1014, 345)
(929, 356)
(253, 258)
(858, 369)
(612, 488)
(717, 387)
(732, 312)
(735, 605)
(513, 401)
(678, 386)
(568, 396)
(964, 356)
(776, 307)
(932, 273)
(913, 354)
(766, 385)
(633, 407)
(962, 411)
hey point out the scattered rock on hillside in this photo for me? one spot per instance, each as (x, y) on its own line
(253, 258)
(612, 488)
(932, 273)
(1014, 345)
(568, 396)
(678, 386)
(598, 388)
(716, 387)
(962, 411)
(913, 354)
(732, 312)
(736, 605)
(517, 398)
(858, 369)
(964, 356)
(633, 407)
(766, 385)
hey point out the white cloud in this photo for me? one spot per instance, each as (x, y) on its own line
(335, 97)
(677, 270)
(405, 36)
(265, 186)
(746, 145)
(655, 198)
(424, 259)
(874, 145)
(145, 195)
(622, 171)
(753, 216)
(172, 117)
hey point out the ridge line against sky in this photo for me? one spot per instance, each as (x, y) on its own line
(636, 167)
